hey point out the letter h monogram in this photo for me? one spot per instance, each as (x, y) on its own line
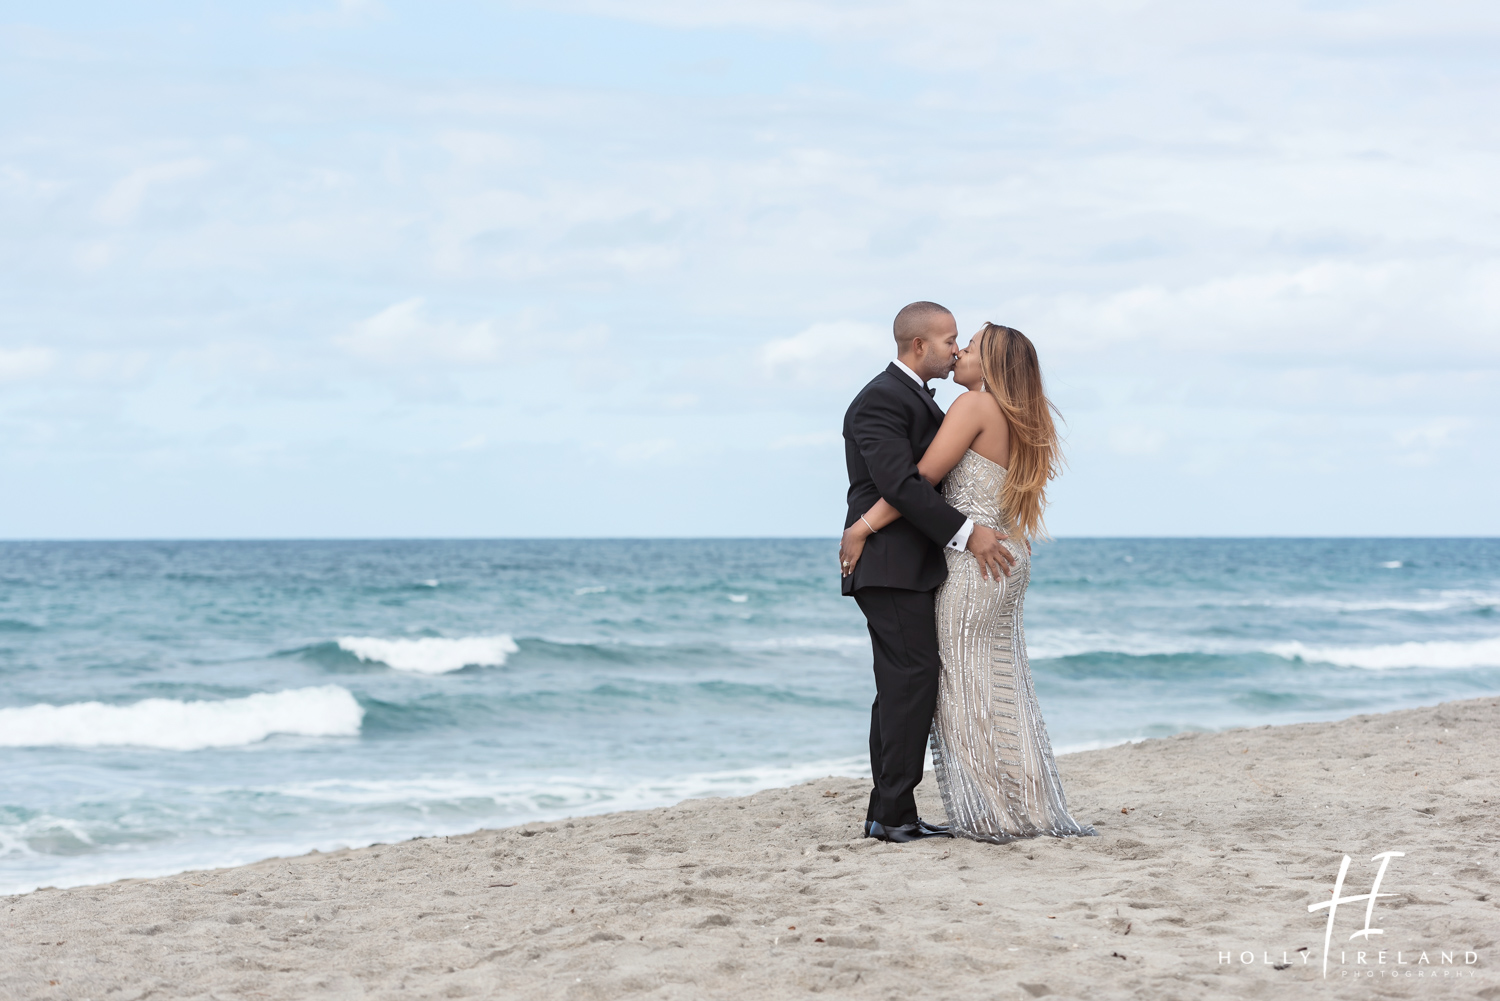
(1384, 858)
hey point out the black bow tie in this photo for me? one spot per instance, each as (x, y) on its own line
(931, 391)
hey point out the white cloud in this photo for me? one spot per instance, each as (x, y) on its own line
(123, 200)
(24, 363)
(421, 353)
(474, 443)
(403, 333)
(965, 24)
(340, 14)
(837, 354)
(1430, 435)
(649, 450)
(1134, 439)
(1406, 308)
(94, 255)
(815, 439)
(119, 368)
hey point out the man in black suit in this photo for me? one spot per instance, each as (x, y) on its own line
(887, 429)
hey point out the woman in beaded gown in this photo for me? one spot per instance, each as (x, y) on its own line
(994, 454)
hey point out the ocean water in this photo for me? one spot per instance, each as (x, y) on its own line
(166, 706)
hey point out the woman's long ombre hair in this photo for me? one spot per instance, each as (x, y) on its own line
(1013, 376)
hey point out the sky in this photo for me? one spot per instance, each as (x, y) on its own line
(616, 267)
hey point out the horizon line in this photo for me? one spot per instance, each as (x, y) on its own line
(709, 538)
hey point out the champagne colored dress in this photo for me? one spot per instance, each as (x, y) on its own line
(989, 745)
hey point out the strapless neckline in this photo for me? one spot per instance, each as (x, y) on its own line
(986, 459)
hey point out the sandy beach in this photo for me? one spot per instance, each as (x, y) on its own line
(1210, 846)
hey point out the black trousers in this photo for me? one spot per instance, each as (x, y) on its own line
(903, 634)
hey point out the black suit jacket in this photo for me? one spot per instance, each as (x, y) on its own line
(886, 432)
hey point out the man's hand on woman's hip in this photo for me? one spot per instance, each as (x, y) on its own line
(995, 561)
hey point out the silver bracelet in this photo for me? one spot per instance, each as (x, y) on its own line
(869, 526)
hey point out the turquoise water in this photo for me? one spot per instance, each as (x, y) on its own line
(166, 706)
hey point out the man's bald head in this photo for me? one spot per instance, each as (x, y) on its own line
(918, 319)
(926, 339)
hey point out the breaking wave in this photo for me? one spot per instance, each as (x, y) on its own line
(1453, 654)
(431, 655)
(173, 725)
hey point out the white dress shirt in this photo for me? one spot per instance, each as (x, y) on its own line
(961, 540)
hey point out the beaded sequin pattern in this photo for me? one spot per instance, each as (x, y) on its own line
(990, 749)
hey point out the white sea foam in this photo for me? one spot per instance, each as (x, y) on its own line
(739, 598)
(1370, 604)
(1425, 601)
(327, 711)
(1043, 644)
(1443, 601)
(542, 797)
(1472, 599)
(591, 589)
(17, 838)
(431, 655)
(1454, 654)
(1380, 605)
(447, 803)
(850, 643)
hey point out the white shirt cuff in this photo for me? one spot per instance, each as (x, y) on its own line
(961, 540)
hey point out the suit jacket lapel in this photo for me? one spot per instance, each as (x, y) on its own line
(910, 384)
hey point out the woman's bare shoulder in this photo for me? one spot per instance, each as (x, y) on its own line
(963, 400)
(976, 403)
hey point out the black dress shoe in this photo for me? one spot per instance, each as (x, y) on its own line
(900, 835)
(931, 830)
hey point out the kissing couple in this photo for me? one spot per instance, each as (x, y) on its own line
(937, 552)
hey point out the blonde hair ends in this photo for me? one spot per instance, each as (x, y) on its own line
(1013, 376)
